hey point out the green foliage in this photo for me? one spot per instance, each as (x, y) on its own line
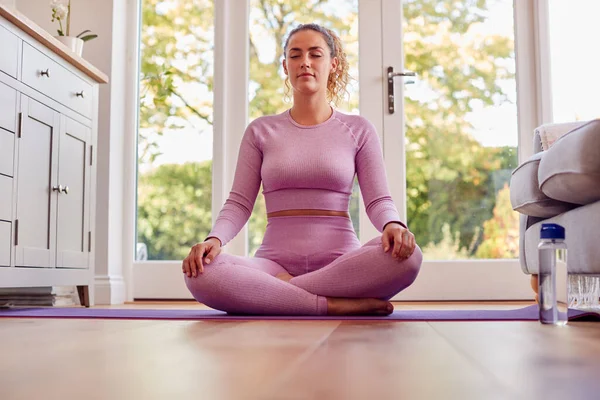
(452, 180)
(501, 232)
(87, 38)
(176, 69)
(174, 209)
(449, 174)
(448, 248)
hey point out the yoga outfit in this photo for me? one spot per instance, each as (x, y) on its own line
(305, 167)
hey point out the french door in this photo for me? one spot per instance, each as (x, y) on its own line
(431, 177)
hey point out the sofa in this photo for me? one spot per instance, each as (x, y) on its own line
(560, 184)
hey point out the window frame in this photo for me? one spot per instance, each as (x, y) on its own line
(439, 280)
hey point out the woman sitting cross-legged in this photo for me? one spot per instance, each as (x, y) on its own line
(310, 261)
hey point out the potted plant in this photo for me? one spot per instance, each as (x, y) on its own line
(61, 12)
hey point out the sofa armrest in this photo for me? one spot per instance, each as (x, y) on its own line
(525, 221)
(522, 230)
(555, 130)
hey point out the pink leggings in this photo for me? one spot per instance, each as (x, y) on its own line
(323, 255)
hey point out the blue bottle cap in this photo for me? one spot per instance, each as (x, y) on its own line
(552, 231)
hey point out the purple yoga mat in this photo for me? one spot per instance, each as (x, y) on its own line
(529, 313)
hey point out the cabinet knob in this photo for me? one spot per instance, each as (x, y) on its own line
(45, 73)
(65, 190)
(58, 188)
(80, 94)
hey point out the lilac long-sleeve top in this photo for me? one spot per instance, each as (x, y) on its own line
(307, 167)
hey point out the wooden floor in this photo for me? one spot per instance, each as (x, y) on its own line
(109, 359)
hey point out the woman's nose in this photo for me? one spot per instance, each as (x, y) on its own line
(305, 62)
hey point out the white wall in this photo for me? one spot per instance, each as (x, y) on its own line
(10, 3)
(107, 53)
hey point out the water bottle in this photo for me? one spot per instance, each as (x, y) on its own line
(553, 275)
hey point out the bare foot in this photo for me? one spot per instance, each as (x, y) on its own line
(341, 306)
(534, 286)
(284, 276)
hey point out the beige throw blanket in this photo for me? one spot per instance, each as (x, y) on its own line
(549, 133)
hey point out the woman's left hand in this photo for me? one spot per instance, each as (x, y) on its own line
(399, 239)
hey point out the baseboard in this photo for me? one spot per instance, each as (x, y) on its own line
(159, 279)
(469, 280)
(437, 281)
(109, 290)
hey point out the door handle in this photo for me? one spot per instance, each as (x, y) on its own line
(58, 188)
(390, 78)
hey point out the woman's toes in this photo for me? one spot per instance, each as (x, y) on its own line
(389, 308)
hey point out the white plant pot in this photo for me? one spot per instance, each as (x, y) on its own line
(73, 43)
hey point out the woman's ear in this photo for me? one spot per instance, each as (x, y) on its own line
(334, 64)
(284, 66)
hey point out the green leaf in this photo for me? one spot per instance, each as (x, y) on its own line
(88, 37)
(84, 32)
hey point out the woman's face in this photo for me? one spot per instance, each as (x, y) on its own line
(308, 62)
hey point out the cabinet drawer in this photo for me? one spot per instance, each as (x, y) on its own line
(7, 145)
(5, 244)
(55, 81)
(10, 52)
(6, 194)
(8, 107)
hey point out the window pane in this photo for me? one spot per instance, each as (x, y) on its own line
(461, 128)
(175, 127)
(574, 64)
(270, 22)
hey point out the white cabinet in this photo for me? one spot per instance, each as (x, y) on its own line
(53, 190)
(48, 134)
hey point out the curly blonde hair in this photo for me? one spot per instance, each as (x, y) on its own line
(339, 78)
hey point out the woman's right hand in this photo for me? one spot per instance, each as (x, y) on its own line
(208, 250)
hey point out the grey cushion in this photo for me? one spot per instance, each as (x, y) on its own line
(570, 169)
(581, 235)
(526, 196)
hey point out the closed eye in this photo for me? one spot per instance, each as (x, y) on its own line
(312, 55)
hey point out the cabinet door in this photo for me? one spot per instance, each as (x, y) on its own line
(72, 231)
(36, 185)
(8, 108)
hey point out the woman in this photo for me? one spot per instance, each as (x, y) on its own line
(310, 261)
